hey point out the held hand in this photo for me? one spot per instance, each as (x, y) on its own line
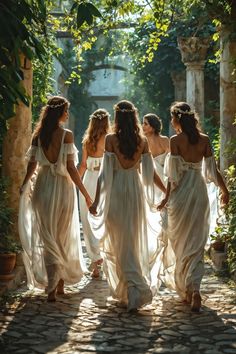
(162, 204)
(93, 209)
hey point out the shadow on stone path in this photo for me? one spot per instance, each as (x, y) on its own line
(87, 320)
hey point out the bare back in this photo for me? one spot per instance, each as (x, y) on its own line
(180, 145)
(158, 144)
(100, 148)
(112, 145)
(52, 153)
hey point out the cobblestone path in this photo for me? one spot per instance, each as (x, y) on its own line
(87, 320)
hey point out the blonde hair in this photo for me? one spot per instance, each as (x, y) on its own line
(99, 125)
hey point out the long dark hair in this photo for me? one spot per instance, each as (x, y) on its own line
(188, 120)
(99, 125)
(49, 120)
(127, 128)
(154, 121)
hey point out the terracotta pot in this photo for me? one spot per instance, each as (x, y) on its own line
(218, 246)
(7, 263)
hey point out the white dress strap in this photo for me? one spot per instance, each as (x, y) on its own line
(63, 137)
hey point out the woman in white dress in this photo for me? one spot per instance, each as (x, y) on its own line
(120, 208)
(158, 144)
(48, 215)
(93, 149)
(186, 217)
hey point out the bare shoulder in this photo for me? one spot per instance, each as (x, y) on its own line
(110, 137)
(109, 142)
(204, 137)
(69, 137)
(164, 137)
(164, 140)
(174, 138)
(144, 145)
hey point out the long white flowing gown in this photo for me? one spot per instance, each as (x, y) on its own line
(90, 182)
(49, 222)
(154, 223)
(122, 227)
(186, 223)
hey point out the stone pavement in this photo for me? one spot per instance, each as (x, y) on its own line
(86, 320)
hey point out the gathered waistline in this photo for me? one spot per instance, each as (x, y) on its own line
(97, 168)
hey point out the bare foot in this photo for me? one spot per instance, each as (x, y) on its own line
(196, 302)
(52, 296)
(60, 287)
(95, 273)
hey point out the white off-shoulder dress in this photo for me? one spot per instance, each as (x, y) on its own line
(49, 222)
(90, 182)
(121, 225)
(186, 222)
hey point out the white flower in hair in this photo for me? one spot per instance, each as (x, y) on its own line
(56, 105)
(118, 109)
(99, 116)
(179, 112)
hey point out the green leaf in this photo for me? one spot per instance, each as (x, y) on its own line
(93, 10)
(89, 19)
(73, 7)
(81, 15)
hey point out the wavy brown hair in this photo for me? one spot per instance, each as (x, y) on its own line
(49, 120)
(99, 125)
(127, 128)
(154, 121)
(188, 121)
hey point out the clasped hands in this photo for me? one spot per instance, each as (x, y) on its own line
(93, 208)
(162, 204)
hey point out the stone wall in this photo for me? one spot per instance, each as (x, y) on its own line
(17, 141)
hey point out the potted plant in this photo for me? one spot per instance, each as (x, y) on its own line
(219, 237)
(8, 245)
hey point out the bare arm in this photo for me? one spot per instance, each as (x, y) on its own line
(31, 167)
(158, 182)
(221, 183)
(83, 165)
(174, 151)
(156, 178)
(93, 207)
(73, 172)
(109, 148)
(165, 200)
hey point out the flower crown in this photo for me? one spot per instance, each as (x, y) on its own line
(118, 109)
(56, 105)
(99, 116)
(179, 112)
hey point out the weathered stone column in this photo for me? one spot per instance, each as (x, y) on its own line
(227, 99)
(193, 52)
(179, 81)
(17, 140)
